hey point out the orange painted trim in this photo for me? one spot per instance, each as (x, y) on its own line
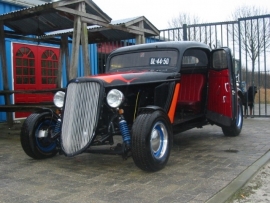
(174, 102)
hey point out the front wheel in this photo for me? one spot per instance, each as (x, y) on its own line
(236, 127)
(152, 139)
(36, 135)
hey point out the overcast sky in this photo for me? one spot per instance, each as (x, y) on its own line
(159, 12)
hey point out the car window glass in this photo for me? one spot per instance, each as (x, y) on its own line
(194, 57)
(220, 59)
(145, 59)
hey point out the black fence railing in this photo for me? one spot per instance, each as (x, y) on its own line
(249, 41)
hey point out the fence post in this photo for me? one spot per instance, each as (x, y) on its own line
(185, 32)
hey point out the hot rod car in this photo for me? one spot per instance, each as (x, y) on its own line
(148, 93)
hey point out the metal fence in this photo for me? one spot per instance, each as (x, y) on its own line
(249, 41)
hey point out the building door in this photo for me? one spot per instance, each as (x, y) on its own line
(34, 68)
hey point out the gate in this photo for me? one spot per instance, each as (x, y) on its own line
(249, 41)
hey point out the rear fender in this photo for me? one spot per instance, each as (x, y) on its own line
(240, 94)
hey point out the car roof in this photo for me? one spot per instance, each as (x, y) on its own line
(180, 45)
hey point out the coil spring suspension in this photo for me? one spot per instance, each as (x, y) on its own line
(125, 132)
(57, 128)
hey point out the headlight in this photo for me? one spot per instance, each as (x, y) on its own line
(115, 98)
(58, 99)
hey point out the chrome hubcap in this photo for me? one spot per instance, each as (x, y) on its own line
(159, 140)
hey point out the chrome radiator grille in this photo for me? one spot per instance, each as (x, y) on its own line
(80, 116)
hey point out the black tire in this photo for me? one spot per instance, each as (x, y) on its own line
(38, 148)
(236, 127)
(152, 140)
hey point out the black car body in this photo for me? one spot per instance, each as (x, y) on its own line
(148, 92)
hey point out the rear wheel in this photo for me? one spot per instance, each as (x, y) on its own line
(36, 134)
(152, 139)
(236, 127)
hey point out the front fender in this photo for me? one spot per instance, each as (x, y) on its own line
(151, 107)
(49, 110)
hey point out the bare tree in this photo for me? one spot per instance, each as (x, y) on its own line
(196, 29)
(176, 25)
(253, 35)
(183, 18)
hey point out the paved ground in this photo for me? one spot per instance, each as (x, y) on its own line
(203, 162)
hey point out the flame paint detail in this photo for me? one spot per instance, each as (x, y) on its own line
(111, 78)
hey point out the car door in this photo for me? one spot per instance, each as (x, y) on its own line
(222, 97)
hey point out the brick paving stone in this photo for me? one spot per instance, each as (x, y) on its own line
(202, 162)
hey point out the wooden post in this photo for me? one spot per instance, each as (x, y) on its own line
(84, 40)
(4, 71)
(64, 57)
(142, 36)
(75, 44)
(140, 39)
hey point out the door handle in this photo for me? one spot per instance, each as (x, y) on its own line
(226, 84)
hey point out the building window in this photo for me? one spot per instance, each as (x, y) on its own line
(49, 67)
(25, 66)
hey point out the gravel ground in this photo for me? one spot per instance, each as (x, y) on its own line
(257, 189)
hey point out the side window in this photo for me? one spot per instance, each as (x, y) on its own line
(220, 59)
(194, 57)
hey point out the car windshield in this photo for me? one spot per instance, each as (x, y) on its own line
(160, 60)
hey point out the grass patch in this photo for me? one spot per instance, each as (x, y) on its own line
(264, 95)
(246, 191)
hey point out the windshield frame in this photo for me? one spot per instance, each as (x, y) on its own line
(147, 66)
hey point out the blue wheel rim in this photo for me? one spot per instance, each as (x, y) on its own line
(159, 140)
(239, 116)
(43, 143)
